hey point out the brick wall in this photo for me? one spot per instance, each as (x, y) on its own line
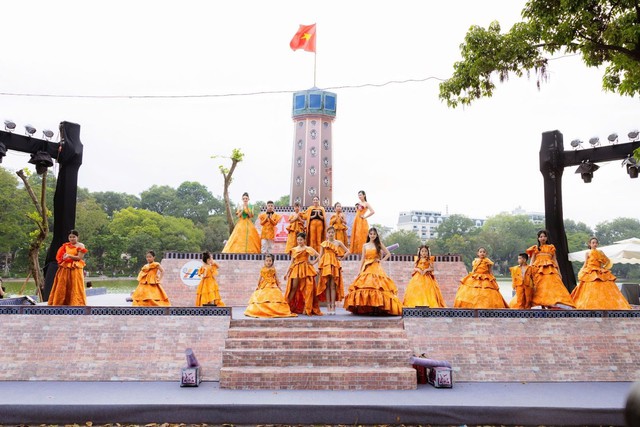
(238, 278)
(108, 348)
(498, 349)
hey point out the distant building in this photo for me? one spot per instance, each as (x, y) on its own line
(535, 217)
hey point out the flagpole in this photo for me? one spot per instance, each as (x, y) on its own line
(314, 68)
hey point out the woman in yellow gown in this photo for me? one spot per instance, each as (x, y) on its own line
(330, 285)
(316, 216)
(301, 280)
(245, 238)
(149, 292)
(208, 291)
(597, 289)
(68, 285)
(548, 289)
(296, 225)
(372, 291)
(360, 227)
(423, 289)
(479, 288)
(267, 300)
(339, 222)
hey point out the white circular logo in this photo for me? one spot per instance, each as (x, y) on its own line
(189, 273)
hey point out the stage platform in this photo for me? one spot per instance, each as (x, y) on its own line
(549, 404)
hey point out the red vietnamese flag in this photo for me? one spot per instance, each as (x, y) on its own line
(305, 38)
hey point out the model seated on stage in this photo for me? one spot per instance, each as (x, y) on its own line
(267, 300)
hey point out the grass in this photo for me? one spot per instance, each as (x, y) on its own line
(123, 285)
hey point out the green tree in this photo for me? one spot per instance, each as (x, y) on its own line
(609, 232)
(14, 227)
(111, 201)
(215, 233)
(603, 32)
(283, 201)
(195, 202)
(93, 224)
(158, 198)
(506, 236)
(456, 225)
(577, 235)
(227, 173)
(408, 241)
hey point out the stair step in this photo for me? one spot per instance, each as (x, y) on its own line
(319, 322)
(317, 378)
(323, 342)
(313, 357)
(291, 333)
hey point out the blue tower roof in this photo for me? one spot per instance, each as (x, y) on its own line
(314, 101)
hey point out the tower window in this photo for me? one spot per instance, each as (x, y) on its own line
(330, 102)
(299, 102)
(315, 101)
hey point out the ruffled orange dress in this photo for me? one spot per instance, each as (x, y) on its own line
(295, 226)
(329, 265)
(245, 238)
(305, 300)
(373, 292)
(68, 285)
(267, 301)
(479, 288)
(315, 226)
(340, 226)
(423, 289)
(359, 231)
(597, 289)
(149, 293)
(548, 289)
(208, 291)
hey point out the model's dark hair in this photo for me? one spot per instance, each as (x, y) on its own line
(336, 204)
(428, 252)
(546, 233)
(331, 227)
(296, 204)
(364, 194)
(301, 234)
(74, 232)
(152, 253)
(206, 256)
(376, 242)
(524, 255)
(267, 256)
(245, 194)
(270, 201)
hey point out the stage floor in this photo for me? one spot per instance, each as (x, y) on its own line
(549, 404)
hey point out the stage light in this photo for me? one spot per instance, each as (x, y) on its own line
(595, 141)
(42, 160)
(30, 130)
(613, 138)
(586, 170)
(3, 151)
(48, 134)
(576, 143)
(632, 166)
(9, 125)
(633, 135)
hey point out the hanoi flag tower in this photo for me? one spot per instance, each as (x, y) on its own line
(314, 111)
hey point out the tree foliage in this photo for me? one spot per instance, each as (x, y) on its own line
(408, 242)
(602, 32)
(609, 232)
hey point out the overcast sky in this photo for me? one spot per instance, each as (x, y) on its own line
(400, 143)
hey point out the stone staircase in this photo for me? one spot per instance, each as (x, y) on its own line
(324, 353)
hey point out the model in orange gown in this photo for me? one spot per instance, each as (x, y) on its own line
(296, 226)
(245, 238)
(301, 280)
(423, 289)
(360, 227)
(549, 291)
(339, 222)
(479, 288)
(597, 289)
(372, 291)
(208, 291)
(315, 215)
(267, 300)
(522, 283)
(330, 284)
(149, 292)
(68, 285)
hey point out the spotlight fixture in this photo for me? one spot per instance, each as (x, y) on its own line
(42, 160)
(613, 138)
(632, 166)
(9, 125)
(595, 141)
(576, 143)
(30, 130)
(48, 134)
(586, 170)
(3, 151)
(633, 135)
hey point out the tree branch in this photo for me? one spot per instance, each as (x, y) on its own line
(34, 199)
